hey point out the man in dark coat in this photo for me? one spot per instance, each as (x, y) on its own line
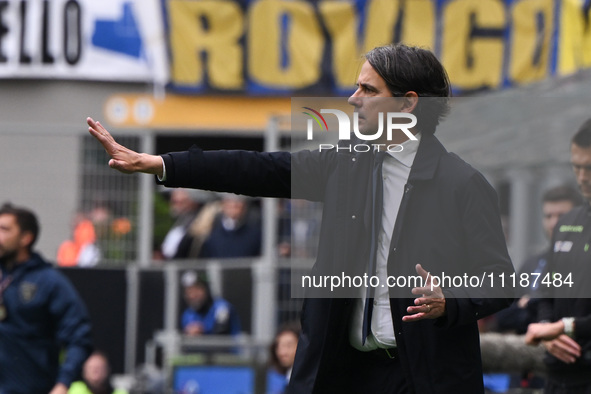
(431, 208)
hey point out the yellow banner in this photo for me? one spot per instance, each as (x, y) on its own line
(278, 47)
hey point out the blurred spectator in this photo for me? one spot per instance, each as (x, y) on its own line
(101, 217)
(40, 314)
(96, 377)
(284, 228)
(206, 314)
(555, 203)
(192, 223)
(235, 231)
(282, 357)
(96, 236)
(183, 208)
(305, 227)
(82, 249)
(112, 233)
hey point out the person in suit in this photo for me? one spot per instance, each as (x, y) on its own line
(384, 212)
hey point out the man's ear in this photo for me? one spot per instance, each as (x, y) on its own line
(26, 239)
(410, 100)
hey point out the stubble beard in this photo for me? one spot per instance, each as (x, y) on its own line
(8, 257)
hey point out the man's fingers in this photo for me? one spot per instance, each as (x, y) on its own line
(415, 317)
(563, 356)
(426, 281)
(564, 349)
(119, 166)
(425, 308)
(422, 306)
(97, 132)
(97, 129)
(421, 290)
(421, 271)
(569, 345)
(418, 309)
(555, 349)
(423, 301)
(123, 159)
(92, 128)
(569, 341)
(102, 129)
(95, 124)
(104, 137)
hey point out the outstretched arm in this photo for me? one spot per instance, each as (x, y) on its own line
(122, 158)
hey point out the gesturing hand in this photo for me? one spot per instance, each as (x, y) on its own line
(556, 342)
(537, 332)
(563, 348)
(430, 305)
(122, 158)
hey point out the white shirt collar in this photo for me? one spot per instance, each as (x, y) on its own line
(409, 151)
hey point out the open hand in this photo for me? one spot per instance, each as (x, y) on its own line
(555, 341)
(564, 348)
(431, 304)
(122, 158)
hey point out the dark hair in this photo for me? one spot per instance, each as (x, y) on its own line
(406, 69)
(562, 193)
(583, 136)
(25, 219)
(291, 327)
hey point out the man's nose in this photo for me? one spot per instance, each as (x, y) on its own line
(355, 100)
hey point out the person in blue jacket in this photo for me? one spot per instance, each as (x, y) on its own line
(40, 314)
(206, 314)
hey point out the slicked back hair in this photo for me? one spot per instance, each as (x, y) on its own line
(406, 68)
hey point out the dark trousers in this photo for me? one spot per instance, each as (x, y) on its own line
(376, 374)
